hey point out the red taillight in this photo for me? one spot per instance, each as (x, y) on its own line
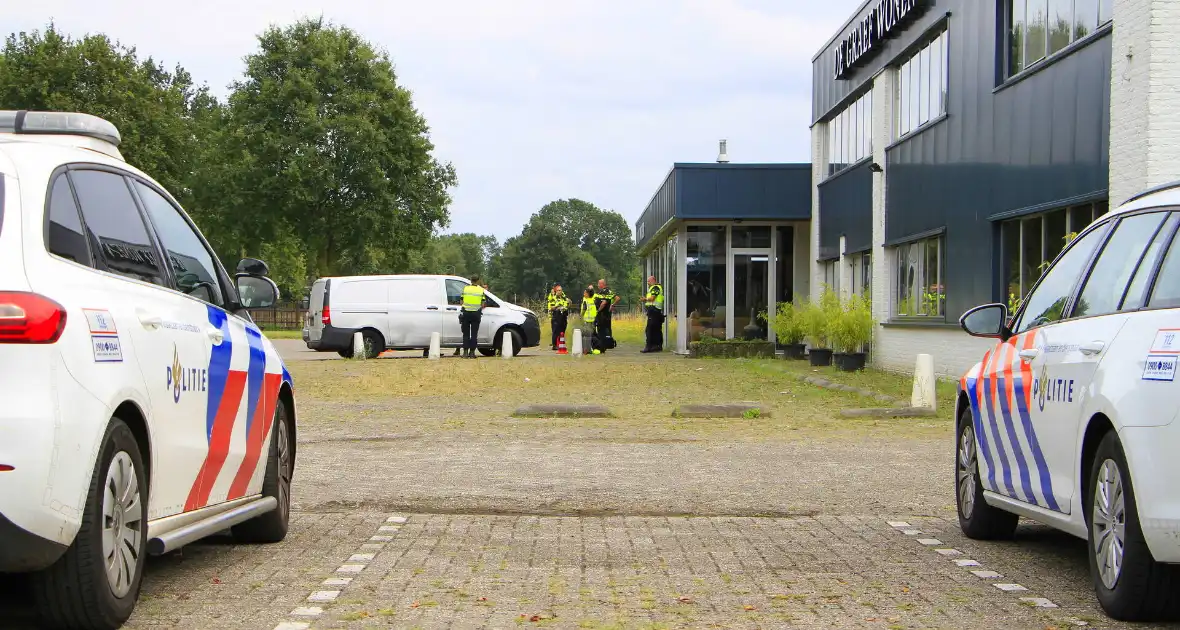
(6, 468)
(327, 317)
(30, 318)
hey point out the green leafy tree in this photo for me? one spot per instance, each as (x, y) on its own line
(162, 117)
(540, 256)
(327, 147)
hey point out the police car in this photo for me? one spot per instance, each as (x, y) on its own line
(142, 409)
(1070, 420)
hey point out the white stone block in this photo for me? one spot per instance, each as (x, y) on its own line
(435, 345)
(506, 348)
(358, 346)
(924, 395)
(576, 348)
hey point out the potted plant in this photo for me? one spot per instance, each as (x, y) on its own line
(851, 331)
(789, 328)
(818, 318)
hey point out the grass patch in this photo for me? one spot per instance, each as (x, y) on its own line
(894, 384)
(283, 334)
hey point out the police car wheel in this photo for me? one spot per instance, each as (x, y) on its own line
(977, 519)
(280, 467)
(1129, 583)
(95, 584)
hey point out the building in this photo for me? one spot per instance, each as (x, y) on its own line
(728, 241)
(956, 144)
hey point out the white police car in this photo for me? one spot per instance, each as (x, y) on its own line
(1071, 419)
(142, 409)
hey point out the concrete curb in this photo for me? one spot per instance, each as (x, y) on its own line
(898, 412)
(735, 410)
(562, 411)
(826, 384)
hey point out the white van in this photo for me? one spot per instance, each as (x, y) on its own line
(400, 313)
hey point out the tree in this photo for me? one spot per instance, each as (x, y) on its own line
(466, 255)
(542, 255)
(328, 148)
(568, 226)
(160, 114)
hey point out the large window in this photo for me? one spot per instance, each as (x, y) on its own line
(706, 282)
(850, 134)
(1040, 28)
(920, 290)
(923, 86)
(862, 273)
(1030, 243)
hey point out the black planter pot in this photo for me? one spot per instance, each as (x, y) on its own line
(849, 362)
(820, 357)
(795, 351)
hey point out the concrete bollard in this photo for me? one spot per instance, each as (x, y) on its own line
(924, 396)
(435, 346)
(506, 348)
(576, 347)
(358, 346)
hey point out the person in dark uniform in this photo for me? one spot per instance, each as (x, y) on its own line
(469, 317)
(604, 300)
(655, 316)
(558, 306)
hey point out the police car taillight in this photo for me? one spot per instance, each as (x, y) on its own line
(30, 318)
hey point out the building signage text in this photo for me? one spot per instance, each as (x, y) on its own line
(867, 34)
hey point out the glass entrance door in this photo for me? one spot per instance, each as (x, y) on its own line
(751, 295)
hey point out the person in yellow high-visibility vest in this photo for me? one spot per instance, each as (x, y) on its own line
(655, 316)
(470, 315)
(558, 306)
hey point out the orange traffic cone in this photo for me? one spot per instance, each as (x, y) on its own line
(561, 343)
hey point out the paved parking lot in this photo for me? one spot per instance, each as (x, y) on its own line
(513, 522)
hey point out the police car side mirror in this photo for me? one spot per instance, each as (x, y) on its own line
(989, 321)
(257, 291)
(252, 267)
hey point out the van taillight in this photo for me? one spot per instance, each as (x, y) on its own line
(327, 318)
(30, 318)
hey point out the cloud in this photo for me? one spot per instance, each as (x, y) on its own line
(534, 100)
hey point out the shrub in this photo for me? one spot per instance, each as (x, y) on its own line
(853, 327)
(818, 316)
(789, 324)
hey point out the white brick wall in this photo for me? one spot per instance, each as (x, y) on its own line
(819, 166)
(1144, 112)
(954, 351)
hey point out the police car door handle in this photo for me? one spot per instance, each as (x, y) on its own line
(149, 320)
(215, 335)
(1029, 354)
(1092, 348)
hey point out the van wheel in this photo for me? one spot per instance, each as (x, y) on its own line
(517, 342)
(280, 468)
(1130, 584)
(488, 352)
(374, 343)
(95, 584)
(977, 519)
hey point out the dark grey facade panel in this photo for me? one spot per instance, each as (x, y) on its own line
(660, 210)
(778, 192)
(846, 209)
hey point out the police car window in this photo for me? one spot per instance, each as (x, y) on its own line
(66, 237)
(1046, 304)
(1166, 293)
(192, 265)
(455, 292)
(1118, 260)
(1136, 297)
(115, 226)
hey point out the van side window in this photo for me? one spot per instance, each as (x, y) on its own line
(116, 227)
(455, 292)
(66, 238)
(1112, 271)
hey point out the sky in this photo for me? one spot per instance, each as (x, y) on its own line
(532, 100)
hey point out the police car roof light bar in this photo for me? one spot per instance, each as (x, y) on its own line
(59, 123)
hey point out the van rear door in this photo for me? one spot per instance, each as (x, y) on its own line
(315, 311)
(416, 306)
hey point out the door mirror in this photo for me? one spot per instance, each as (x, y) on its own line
(252, 267)
(257, 291)
(989, 320)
